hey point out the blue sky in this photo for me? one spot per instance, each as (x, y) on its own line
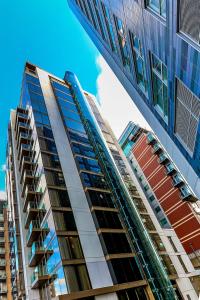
(47, 34)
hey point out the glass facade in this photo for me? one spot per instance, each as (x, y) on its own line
(137, 28)
(160, 89)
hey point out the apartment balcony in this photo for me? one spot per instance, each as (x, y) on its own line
(150, 138)
(29, 178)
(31, 195)
(186, 194)
(2, 276)
(163, 158)
(38, 251)
(27, 163)
(33, 210)
(2, 252)
(24, 138)
(178, 180)
(3, 290)
(35, 230)
(170, 168)
(156, 148)
(2, 264)
(42, 276)
(25, 150)
(23, 127)
(22, 117)
(2, 242)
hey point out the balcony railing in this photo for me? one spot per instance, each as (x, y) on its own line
(34, 231)
(150, 138)
(34, 209)
(29, 177)
(177, 180)
(26, 162)
(2, 263)
(163, 158)
(156, 148)
(31, 194)
(187, 195)
(170, 168)
(23, 137)
(42, 275)
(37, 253)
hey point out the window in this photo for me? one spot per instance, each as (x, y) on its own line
(64, 221)
(92, 180)
(109, 26)
(88, 164)
(100, 199)
(83, 150)
(187, 116)
(108, 219)
(59, 198)
(189, 18)
(99, 18)
(138, 57)
(160, 90)
(70, 247)
(158, 6)
(74, 125)
(116, 243)
(126, 270)
(122, 41)
(77, 278)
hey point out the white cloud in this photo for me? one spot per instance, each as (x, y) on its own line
(2, 195)
(116, 105)
(3, 168)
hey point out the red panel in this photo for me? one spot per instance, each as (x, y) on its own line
(159, 175)
(151, 167)
(192, 244)
(142, 144)
(171, 200)
(145, 158)
(188, 227)
(164, 188)
(179, 213)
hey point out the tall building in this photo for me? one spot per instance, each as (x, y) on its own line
(7, 284)
(78, 232)
(168, 194)
(153, 48)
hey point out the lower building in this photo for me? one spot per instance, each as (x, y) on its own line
(172, 203)
(7, 284)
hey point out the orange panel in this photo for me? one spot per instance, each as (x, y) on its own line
(157, 177)
(164, 188)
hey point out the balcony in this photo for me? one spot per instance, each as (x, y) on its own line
(23, 138)
(29, 178)
(187, 195)
(25, 150)
(2, 241)
(31, 195)
(178, 180)
(33, 210)
(2, 276)
(42, 275)
(170, 168)
(2, 252)
(23, 127)
(22, 117)
(26, 163)
(156, 148)
(163, 158)
(34, 231)
(2, 264)
(38, 251)
(150, 138)
(3, 290)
